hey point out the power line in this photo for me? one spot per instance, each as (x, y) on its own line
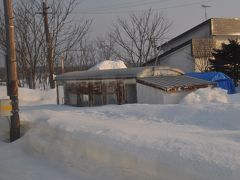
(129, 11)
(114, 5)
(127, 5)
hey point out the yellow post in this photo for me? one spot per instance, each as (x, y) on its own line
(5, 108)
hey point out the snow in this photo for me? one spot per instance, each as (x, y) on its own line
(206, 95)
(108, 64)
(30, 96)
(198, 139)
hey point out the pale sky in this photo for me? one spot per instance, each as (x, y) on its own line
(184, 14)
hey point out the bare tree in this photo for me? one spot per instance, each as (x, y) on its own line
(134, 36)
(106, 48)
(2, 33)
(82, 57)
(30, 37)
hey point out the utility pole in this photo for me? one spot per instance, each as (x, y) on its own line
(49, 44)
(12, 70)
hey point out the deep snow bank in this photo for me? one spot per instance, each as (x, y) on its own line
(183, 142)
(141, 141)
(30, 97)
(206, 95)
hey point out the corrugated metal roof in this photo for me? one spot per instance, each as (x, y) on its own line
(119, 73)
(174, 83)
(101, 74)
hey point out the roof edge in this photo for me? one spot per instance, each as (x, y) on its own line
(169, 52)
(186, 32)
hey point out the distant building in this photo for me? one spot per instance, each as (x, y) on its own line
(191, 50)
(157, 85)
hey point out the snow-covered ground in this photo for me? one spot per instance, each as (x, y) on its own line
(198, 139)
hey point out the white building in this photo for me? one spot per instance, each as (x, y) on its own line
(190, 51)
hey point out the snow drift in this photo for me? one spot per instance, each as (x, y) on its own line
(199, 142)
(30, 96)
(206, 95)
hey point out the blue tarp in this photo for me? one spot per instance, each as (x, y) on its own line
(222, 80)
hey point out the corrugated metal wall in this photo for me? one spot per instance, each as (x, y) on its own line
(99, 93)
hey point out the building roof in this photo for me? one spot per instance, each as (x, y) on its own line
(187, 32)
(168, 52)
(218, 26)
(101, 74)
(175, 83)
(118, 73)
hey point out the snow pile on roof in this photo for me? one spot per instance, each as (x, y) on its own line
(109, 65)
(206, 95)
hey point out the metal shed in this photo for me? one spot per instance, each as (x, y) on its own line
(167, 89)
(100, 87)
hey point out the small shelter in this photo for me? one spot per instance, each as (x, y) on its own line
(221, 80)
(100, 87)
(152, 85)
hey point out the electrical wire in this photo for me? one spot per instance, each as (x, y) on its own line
(129, 11)
(127, 5)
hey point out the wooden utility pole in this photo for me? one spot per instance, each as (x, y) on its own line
(49, 45)
(12, 70)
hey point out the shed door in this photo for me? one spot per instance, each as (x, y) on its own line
(131, 93)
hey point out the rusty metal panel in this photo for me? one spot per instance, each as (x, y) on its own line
(98, 92)
(203, 47)
(83, 88)
(120, 92)
(97, 88)
(225, 26)
(104, 93)
(90, 91)
(111, 87)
